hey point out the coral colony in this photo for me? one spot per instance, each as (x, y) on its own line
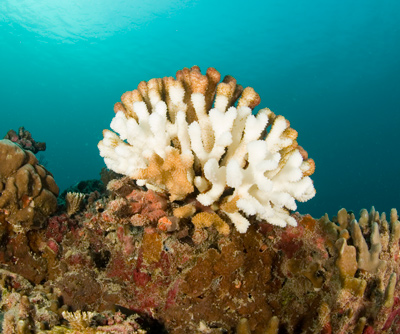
(177, 144)
(192, 229)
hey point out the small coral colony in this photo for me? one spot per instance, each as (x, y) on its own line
(192, 228)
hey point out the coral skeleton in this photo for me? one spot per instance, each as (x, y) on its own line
(185, 135)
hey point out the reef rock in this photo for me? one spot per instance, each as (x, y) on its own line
(340, 275)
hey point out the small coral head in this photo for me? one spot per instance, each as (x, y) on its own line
(196, 135)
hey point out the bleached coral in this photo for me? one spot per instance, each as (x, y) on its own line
(185, 135)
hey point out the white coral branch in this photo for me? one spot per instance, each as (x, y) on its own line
(256, 158)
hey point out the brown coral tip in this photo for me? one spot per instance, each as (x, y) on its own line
(249, 98)
(309, 167)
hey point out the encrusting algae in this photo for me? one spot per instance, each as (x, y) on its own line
(190, 238)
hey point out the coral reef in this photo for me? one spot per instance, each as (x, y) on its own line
(29, 309)
(24, 139)
(173, 141)
(119, 255)
(161, 249)
(27, 190)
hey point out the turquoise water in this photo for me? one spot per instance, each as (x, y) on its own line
(331, 67)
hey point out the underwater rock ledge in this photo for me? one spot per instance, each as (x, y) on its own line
(125, 263)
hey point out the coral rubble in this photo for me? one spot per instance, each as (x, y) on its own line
(185, 136)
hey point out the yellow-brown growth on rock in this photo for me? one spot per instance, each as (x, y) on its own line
(169, 174)
(207, 219)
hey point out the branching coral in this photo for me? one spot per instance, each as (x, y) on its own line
(185, 135)
(368, 265)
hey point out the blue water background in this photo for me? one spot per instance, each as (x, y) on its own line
(331, 67)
